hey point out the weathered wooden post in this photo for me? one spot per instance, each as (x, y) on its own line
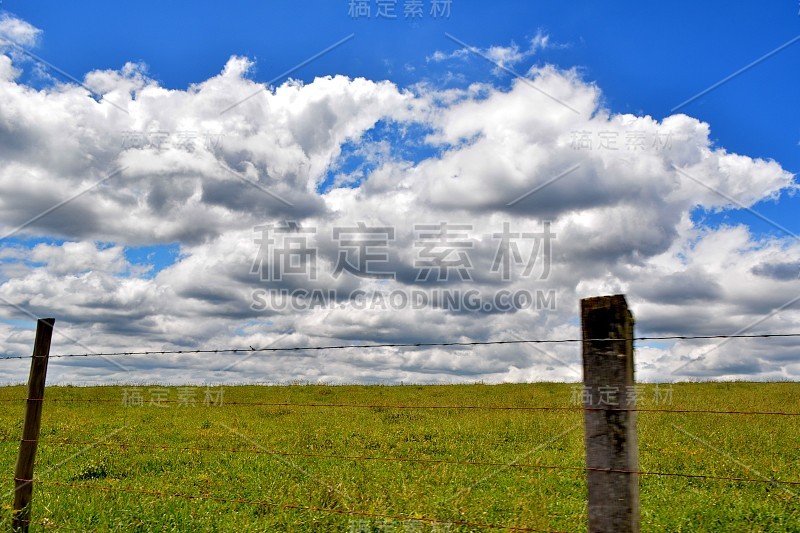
(23, 476)
(610, 429)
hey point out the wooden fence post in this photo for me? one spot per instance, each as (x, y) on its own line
(23, 476)
(610, 429)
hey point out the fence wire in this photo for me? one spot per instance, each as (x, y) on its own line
(430, 407)
(291, 506)
(513, 464)
(367, 458)
(409, 345)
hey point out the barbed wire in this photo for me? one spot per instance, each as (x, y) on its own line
(291, 506)
(433, 407)
(409, 345)
(512, 464)
(367, 458)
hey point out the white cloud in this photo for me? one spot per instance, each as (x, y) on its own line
(7, 70)
(502, 56)
(622, 220)
(18, 31)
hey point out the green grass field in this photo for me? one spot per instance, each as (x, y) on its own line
(546, 499)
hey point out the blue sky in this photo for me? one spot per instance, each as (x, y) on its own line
(137, 244)
(647, 59)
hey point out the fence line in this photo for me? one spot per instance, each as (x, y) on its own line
(432, 407)
(611, 441)
(291, 506)
(413, 345)
(512, 464)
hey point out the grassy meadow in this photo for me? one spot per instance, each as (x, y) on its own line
(77, 435)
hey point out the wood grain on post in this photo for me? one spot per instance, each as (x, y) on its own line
(610, 429)
(23, 476)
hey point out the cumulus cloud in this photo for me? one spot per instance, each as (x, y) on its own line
(780, 271)
(15, 31)
(144, 165)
